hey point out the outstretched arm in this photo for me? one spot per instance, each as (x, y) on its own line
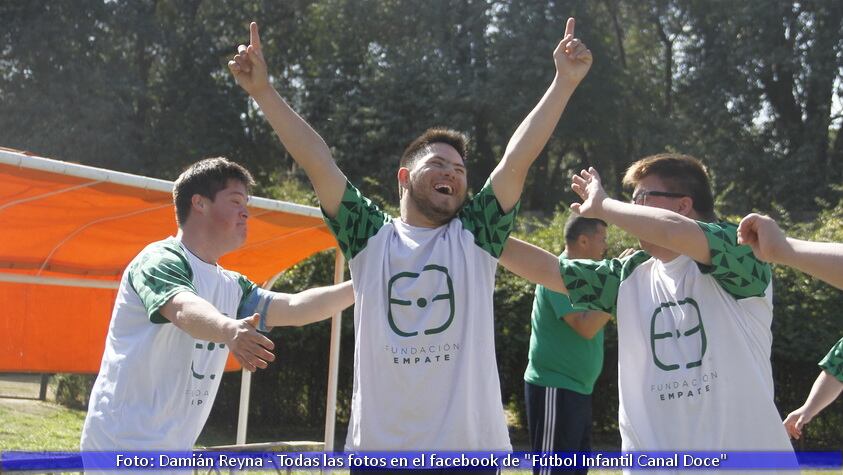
(824, 391)
(661, 227)
(311, 305)
(572, 59)
(533, 263)
(823, 260)
(307, 148)
(201, 320)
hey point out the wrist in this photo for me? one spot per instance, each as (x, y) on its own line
(786, 252)
(263, 93)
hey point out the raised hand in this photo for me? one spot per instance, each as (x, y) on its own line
(251, 349)
(248, 65)
(588, 186)
(572, 58)
(763, 235)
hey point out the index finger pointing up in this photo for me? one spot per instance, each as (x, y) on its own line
(254, 37)
(569, 27)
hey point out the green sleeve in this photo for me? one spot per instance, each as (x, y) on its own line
(594, 284)
(560, 303)
(483, 218)
(357, 220)
(734, 266)
(833, 361)
(157, 274)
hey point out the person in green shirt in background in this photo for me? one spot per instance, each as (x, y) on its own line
(566, 355)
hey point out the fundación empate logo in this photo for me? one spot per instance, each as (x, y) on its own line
(430, 309)
(677, 335)
(201, 353)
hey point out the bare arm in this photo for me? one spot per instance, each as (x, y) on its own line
(306, 147)
(658, 226)
(823, 260)
(533, 263)
(311, 305)
(572, 60)
(588, 322)
(824, 391)
(199, 319)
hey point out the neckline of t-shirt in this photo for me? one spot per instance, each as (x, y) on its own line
(675, 263)
(420, 229)
(190, 253)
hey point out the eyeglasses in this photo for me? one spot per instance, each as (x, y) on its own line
(640, 197)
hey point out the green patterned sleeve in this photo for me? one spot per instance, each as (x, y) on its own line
(833, 361)
(357, 220)
(483, 217)
(594, 284)
(734, 266)
(157, 274)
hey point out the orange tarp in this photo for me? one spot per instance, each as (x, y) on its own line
(67, 233)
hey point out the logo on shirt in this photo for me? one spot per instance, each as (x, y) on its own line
(421, 301)
(201, 353)
(677, 335)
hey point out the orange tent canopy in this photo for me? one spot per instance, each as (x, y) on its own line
(68, 231)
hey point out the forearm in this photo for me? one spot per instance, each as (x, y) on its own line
(658, 226)
(533, 264)
(306, 147)
(823, 260)
(527, 142)
(198, 318)
(825, 390)
(587, 323)
(311, 305)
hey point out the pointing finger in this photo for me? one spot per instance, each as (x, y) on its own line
(569, 27)
(254, 37)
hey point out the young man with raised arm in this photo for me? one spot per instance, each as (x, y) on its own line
(694, 311)
(425, 375)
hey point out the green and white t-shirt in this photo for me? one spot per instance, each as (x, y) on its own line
(833, 361)
(425, 375)
(694, 346)
(560, 357)
(157, 384)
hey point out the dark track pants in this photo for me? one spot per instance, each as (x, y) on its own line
(558, 420)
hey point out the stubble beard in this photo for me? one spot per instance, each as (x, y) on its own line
(436, 214)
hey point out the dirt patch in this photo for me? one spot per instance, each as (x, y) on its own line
(30, 406)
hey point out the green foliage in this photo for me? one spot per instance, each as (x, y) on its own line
(74, 390)
(750, 87)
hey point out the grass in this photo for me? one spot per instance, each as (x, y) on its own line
(35, 425)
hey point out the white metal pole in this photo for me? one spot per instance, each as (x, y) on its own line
(243, 411)
(334, 361)
(246, 387)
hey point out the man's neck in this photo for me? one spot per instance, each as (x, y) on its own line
(196, 242)
(412, 216)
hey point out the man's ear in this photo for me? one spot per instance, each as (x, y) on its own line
(403, 179)
(686, 206)
(198, 203)
(583, 241)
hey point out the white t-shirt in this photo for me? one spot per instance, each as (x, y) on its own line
(693, 346)
(425, 374)
(156, 383)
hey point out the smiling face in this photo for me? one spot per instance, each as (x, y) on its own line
(434, 187)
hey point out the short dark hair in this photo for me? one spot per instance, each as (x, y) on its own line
(680, 174)
(578, 225)
(455, 139)
(206, 178)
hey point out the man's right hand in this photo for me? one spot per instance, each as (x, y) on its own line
(248, 65)
(251, 349)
